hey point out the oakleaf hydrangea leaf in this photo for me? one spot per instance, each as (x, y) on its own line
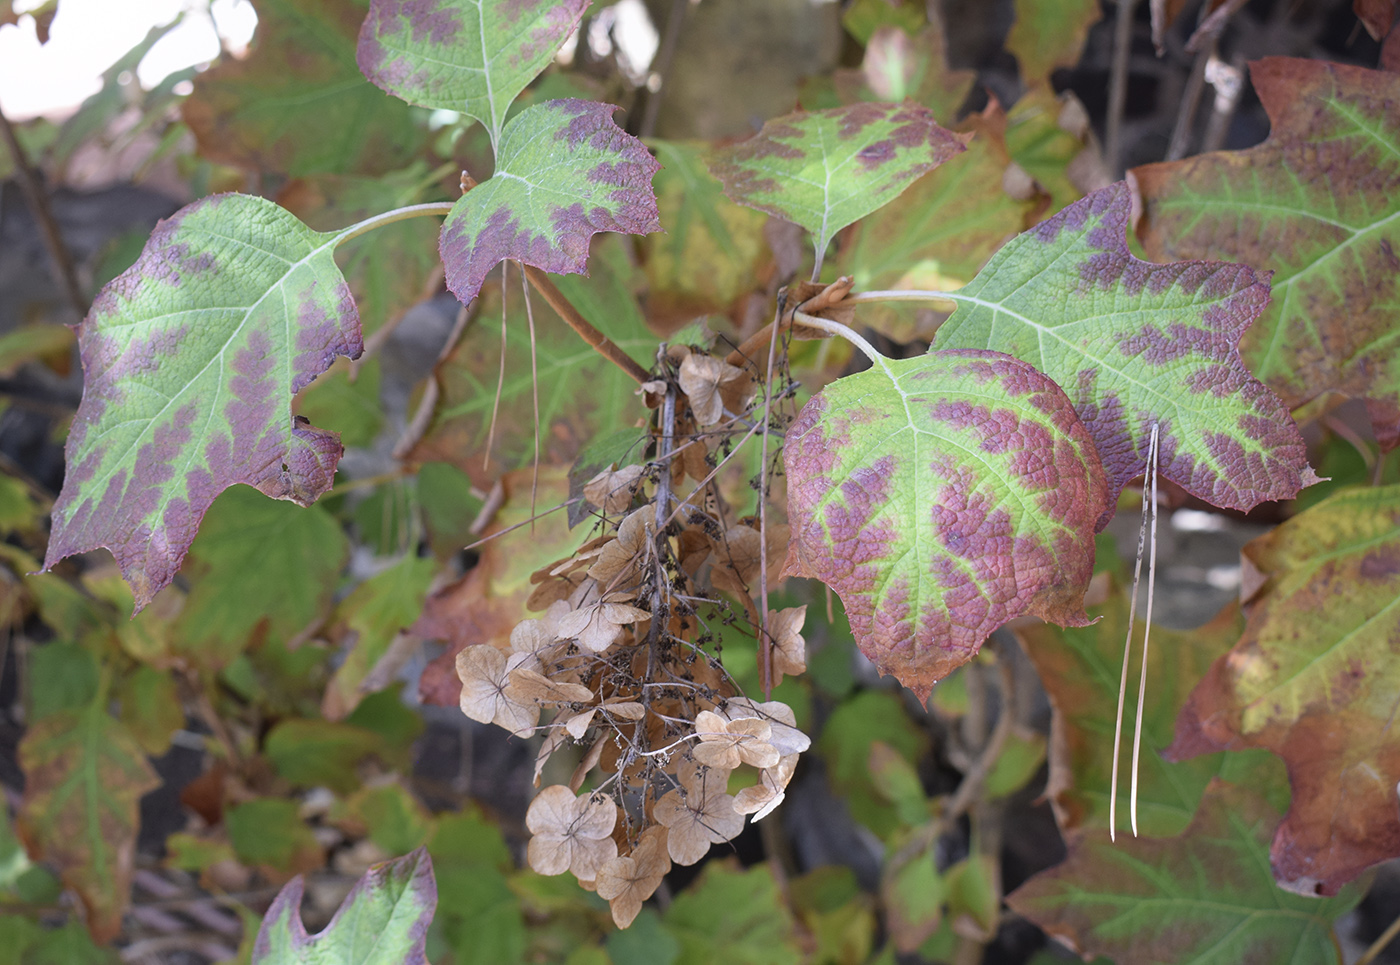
(472, 56)
(84, 777)
(383, 920)
(191, 359)
(564, 171)
(1134, 343)
(1319, 203)
(827, 169)
(297, 104)
(1204, 896)
(1313, 680)
(941, 497)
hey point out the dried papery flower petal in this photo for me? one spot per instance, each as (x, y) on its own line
(578, 724)
(590, 760)
(783, 722)
(627, 882)
(626, 709)
(598, 626)
(725, 744)
(618, 562)
(653, 393)
(526, 685)
(760, 799)
(552, 742)
(701, 377)
(570, 833)
(612, 490)
(531, 636)
(789, 649)
(485, 676)
(696, 820)
(736, 559)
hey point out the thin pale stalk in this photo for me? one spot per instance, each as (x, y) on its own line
(1127, 654)
(846, 332)
(534, 395)
(524, 522)
(765, 642)
(1380, 944)
(1147, 628)
(442, 208)
(500, 381)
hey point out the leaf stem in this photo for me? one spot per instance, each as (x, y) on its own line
(900, 295)
(603, 345)
(389, 217)
(846, 332)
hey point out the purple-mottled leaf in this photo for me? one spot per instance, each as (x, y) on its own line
(383, 921)
(191, 358)
(473, 56)
(940, 497)
(564, 172)
(827, 169)
(1134, 343)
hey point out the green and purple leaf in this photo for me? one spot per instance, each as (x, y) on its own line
(191, 359)
(1204, 896)
(1133, 344)
(84, 777)
(564, 171)
(297, 103)
(472, 56)
(383, 921)
(827, 169)
(1319, 204)
(941, 497)
(1313, 681)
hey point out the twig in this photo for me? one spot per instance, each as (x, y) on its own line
(765, 641)
(59, 257)
(423, 417)
(603, 345)
(1379, 945)
(1118, 84)
(1190, 101)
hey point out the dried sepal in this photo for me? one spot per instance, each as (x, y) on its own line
(712, 385)
(696, 819)
(782, 722)
(527, 685)
(570, 833)
(725, 744)
(760, 799)
(598, 626)
(485, 673)
(618, 561)
(627, 882)
(612, 490)
(789, 649)
(736, 565)
(554, 740)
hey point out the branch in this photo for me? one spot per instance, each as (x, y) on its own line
(603, 345)
(62, 260)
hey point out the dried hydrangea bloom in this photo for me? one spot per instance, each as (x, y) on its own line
(617, 564)
(760, 799)
(712, 385)
(781, 720)
(699, 817)
(485, 675)
(570, 833)
(627, 882)
(726, 744)
(789, 649)
(612, 490)
(598, 626)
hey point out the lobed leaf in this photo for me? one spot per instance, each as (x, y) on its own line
(1319, 204)
(191, 358)
(472, 56)
(941, 497)
(1135, 343)
(383, 920)
(1312, 680)
(827, 169)
(564, 171)
(297, 103)
(1202, 897)
(84, 776)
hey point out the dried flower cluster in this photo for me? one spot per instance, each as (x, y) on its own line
(622, 660)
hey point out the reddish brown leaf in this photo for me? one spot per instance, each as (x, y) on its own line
(1313, 681)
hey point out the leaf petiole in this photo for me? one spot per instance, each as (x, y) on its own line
(430, 208)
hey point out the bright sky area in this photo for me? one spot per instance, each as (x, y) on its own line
(89, 36)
